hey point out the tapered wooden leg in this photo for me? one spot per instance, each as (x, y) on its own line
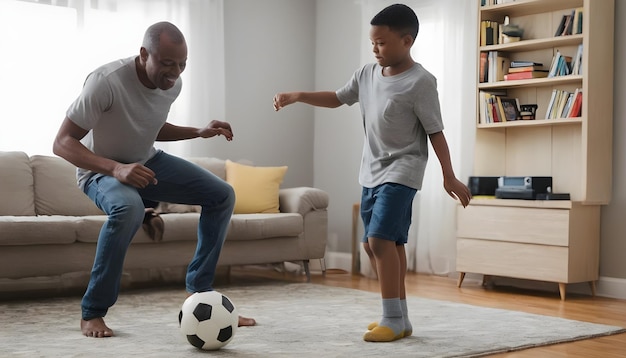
(592, 284)
(562, 287)
(461, 277)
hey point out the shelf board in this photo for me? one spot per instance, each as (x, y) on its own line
(527, 7)
(547, 204)
(536, 44)
(532, 123)
(533, 82)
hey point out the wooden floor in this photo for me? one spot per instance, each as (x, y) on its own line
(577, 307)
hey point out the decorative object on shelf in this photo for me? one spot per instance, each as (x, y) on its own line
(511, 108)
(510, 32)
(527, 111)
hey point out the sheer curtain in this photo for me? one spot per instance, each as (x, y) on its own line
(54, 44)
(445, 46)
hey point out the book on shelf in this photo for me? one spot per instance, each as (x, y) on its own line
(494, 2)
(564, 104)
(566, 26)
(576, 109)
(495, 106)
(561, 27)
(489, 32)
(551, 103)
(522, 63)
(563, 99)
(578, 59)
(484, 67)
(498, 66)
(526, 69)
(561, 65)
(525, 75)
(577, 27)
(576, 105)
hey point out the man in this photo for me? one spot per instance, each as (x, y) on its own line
(109, 133)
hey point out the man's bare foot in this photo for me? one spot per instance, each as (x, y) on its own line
(96, 328)
(244, 321)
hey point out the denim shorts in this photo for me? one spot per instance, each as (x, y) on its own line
(386, 212)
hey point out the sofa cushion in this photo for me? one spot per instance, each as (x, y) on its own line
(56, 190)
(264, 226)
(214, 165)
(88, 230)
(16, 184)
(256, 188)
(182, 226)
(36, 230)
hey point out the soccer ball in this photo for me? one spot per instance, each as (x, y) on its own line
(208, 320)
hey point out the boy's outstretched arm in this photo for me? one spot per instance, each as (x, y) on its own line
(319, 99)
(455, 188)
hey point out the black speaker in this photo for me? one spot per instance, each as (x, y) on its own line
(483, 185)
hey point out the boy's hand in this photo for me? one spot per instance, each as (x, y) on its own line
(283, 99)
(457, 190)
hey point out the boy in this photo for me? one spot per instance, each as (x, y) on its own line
(400, 108)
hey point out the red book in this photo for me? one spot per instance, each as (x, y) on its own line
(525, 75)
(576, 106)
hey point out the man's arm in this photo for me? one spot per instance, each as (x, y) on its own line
(171, 132)
(455, 188)
(67, 145)
(319, 99)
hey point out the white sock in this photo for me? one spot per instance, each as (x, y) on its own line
(392, 315)
(405, 315)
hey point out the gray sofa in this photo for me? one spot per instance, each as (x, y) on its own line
(49, 229)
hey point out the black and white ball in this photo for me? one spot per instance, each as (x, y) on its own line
(208, 320)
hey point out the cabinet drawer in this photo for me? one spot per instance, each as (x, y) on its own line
(514, 224)
(527, 261)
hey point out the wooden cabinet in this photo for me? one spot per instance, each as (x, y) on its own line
(556, 241)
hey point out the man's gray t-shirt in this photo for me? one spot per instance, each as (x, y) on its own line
(122, 115)
(399, 112)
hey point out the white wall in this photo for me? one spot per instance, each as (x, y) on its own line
(339, 131)
(269, 47)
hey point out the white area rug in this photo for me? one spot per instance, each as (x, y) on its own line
(294, 320)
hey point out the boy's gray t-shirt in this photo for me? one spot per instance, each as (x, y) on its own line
(399, 112)
(122, 115)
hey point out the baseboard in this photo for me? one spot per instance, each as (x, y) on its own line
(611, 287)
(338, 260)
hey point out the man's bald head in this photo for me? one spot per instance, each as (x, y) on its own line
(152, 37)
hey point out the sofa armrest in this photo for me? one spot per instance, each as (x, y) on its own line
(302, 200)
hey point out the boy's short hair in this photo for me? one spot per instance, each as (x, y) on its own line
(400, 18)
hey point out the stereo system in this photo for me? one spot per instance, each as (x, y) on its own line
(511, 187)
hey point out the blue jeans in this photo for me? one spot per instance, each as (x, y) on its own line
(179, 181)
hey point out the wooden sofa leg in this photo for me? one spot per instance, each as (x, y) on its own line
(307, 270)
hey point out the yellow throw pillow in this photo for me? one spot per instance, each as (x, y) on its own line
(256, 188)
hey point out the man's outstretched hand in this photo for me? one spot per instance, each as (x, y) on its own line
(217, 128)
